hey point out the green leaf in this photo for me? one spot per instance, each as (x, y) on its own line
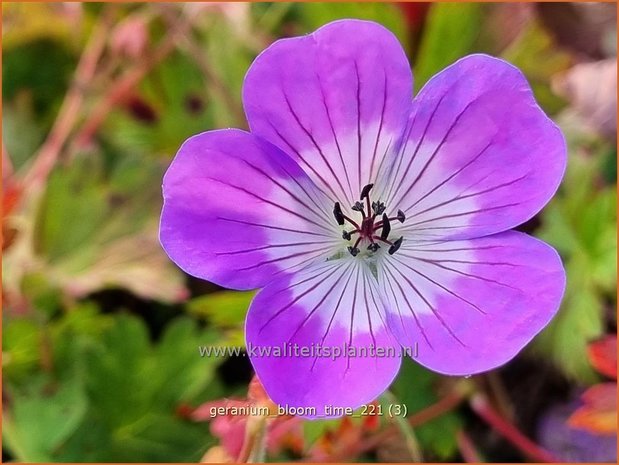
(182, 373)
(97, 228)
(135, 388)
(226, 311)
(450, 32)
(581, 223)
(538, 57)
(40, 420)
(313, 15)
(73, 210)
(578, 322)
(21, 349)
(21, 132)
(223, 309)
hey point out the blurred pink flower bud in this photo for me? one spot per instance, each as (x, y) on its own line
(129, 37)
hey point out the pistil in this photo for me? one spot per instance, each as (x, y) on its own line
(368, 228)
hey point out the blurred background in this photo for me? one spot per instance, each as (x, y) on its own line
(100, 356)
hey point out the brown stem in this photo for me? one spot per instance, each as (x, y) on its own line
(49, 152)
(122, 88)
(442, 406)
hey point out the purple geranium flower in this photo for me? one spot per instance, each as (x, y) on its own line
(370, 218)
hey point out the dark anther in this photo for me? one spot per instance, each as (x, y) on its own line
(396, 245)
(365, 191)
(378, 208)
(401, 216)
(346, 235)
(373, 247)
(384, 234)
(358, 206)
(337, 212)
(353, 251)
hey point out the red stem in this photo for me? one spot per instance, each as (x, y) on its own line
(482, 407)
(353, 222)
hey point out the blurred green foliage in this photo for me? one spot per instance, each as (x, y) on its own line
(451, 32)
(582, 224)
(105, 383)
(101, 330)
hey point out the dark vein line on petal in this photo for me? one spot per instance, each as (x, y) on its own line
(311, 278)
(352, 319)
(298, 153)
(288, 191)
(436, 150)
(367, 309)
(281, 207)
(359, 180)
(311, 137)
(439, 228)
(337, 143)
(380, 125)
(415, 152)
(438, 186)
(299, 297)
(337, 306)
(269, 246)
(279, 259)
(327, 214)
(466, 196)
(433, 262)
(431, 307)
(471, 262)
(455, 215)
(267, 226)
(309, 315)
(459, 249)
(410, 307)
(441, 286)
(393, 175)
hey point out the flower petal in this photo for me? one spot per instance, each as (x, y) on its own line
(237, 211)
(471, 305)
(335, 100)
(479, 155)
(326, 306)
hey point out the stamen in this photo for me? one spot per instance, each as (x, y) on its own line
(353, 251)
(358, 207)
(386, 227)
(365, 191)
(373, 247)
(378, 208)
(396, 245)
(339, 215)
(401, 216)
(386, 241)
(348, 234)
